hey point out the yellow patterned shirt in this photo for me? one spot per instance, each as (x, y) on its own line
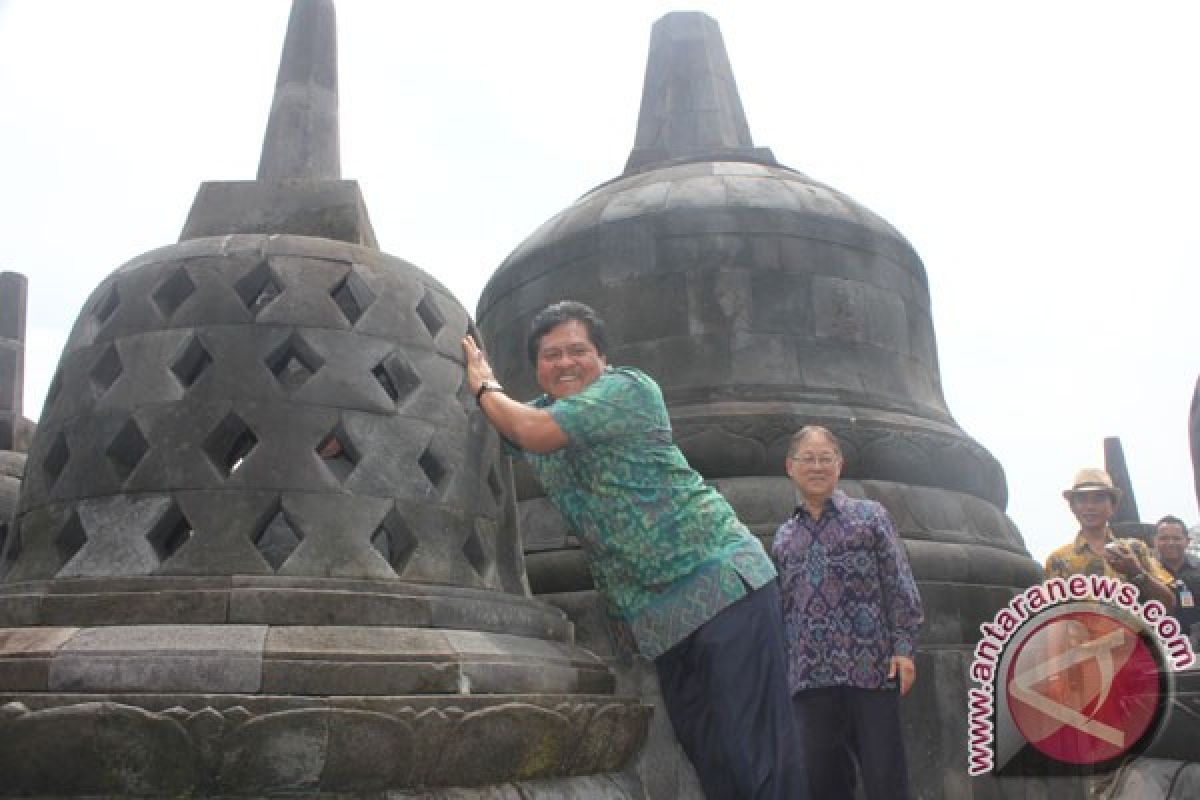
(1076, 558)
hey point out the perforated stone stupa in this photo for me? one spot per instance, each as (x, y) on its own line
(266, 541)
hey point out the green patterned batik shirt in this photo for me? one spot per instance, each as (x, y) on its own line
(665, 548)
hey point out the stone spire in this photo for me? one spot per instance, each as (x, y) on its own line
(690, 103)
(299, 188)
(1194, 435)
(1114, 465)
(13, 291)
(301, 142)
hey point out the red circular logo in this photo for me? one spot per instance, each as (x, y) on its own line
(1084, 688)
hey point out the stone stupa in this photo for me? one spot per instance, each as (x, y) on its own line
(762, 300)
(266, 541)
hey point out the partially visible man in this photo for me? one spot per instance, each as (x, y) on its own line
(677, 567)
(851, 613)
(1095, 550)
(1170, 544)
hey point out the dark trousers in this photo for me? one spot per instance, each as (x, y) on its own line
(725, 690)
(839, 725)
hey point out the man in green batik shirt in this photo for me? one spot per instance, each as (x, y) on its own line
(694, 586)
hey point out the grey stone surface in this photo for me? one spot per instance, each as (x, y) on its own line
(1114, 465)
(690, 104)
(113, 540)
(299, 188)
(333, 209)
(302, 141)
(1194, 435)
(161, 658)
(14, 288)
(311, 746)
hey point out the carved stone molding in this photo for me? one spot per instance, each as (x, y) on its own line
(344, 745)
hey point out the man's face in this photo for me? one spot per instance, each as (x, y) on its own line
(815, 467)
(567, 361)
(1171, 541)
(1093, 509)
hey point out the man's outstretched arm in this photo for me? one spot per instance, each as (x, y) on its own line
(529, 428)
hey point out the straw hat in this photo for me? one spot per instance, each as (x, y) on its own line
(1091, 479)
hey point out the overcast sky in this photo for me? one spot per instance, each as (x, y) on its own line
(1040, 155)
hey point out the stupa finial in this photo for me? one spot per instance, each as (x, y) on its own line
(690, 103)
(299, 189)
(301, 141)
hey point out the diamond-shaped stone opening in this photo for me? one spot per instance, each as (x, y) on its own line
(476, 554)
(107, 305)
(172, 292)
(495, 486)
(228, 445)
(293, 362)
(56, 458)
(338, 453)
(107, 369)
(258, 288)
(394, 541)
(432, 467)
(127, 449)
(70, 539)
(276, 538)
(396, 377)
(428, 311)
(353, 296)
(191, 363)
(171, 532)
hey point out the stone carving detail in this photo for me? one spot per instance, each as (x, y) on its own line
(112, 747)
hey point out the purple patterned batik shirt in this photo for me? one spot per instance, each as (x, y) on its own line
(849, 599)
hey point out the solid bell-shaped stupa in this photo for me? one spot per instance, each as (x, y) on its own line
(761, 301)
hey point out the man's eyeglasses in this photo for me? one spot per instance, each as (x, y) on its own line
(809, 460)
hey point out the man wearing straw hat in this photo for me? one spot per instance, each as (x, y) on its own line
(1095, 550)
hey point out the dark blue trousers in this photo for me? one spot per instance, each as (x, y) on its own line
(839, 725)
(725, 690)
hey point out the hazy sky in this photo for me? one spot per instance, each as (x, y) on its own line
(1041, 156)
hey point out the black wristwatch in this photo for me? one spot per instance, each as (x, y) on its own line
(487, 386)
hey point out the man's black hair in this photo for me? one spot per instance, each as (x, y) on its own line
(554, 315)
(1171, 519)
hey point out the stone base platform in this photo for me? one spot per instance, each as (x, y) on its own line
(210, 745)
(245, 686)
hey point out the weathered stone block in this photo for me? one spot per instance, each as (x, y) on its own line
(162, 658)
(94, 749)
(280, 606)
(329, 209)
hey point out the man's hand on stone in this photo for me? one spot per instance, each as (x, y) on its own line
(478, 368)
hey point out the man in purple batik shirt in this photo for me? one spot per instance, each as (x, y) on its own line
(851, 615)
